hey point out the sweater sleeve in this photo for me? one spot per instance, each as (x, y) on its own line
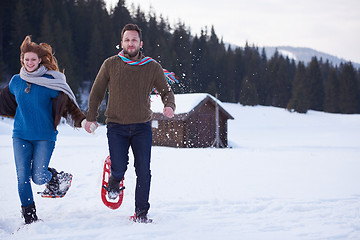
(164, 89)
(8, 103)
(98, 91)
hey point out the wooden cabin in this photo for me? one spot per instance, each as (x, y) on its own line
(194, 123)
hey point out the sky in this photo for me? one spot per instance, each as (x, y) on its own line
(330, 26)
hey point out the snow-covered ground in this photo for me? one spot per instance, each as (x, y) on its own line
(287, 176)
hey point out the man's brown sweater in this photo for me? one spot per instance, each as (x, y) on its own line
(129, 90)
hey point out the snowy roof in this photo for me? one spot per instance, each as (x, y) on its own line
(184, 102)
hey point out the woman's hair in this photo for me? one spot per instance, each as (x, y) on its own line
(43, 50)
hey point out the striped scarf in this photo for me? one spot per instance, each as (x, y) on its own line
(170, 76)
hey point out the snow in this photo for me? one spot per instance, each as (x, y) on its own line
(286, 176)
(188, 102)
(288, 54)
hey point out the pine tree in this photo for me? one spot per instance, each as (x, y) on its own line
(64, 52)
(119, 17)
(315, 85)
(299, 101)
(196, 54)
(229, 86)
(251, 82)
(203, 69)
(141, 21)
(96, 53)
(46, 34)
(221, 64)
(209, 62)
(212, 88)
(163, 37)
(239, 71)
(261, 85)
(331, 102)
(6, 7)
(21, 27)
(284, 83)
(278, 81)
(349, 90)
(181, 49)
(248, 93)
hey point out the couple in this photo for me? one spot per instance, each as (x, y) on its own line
(39, 96)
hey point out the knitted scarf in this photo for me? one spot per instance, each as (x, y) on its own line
(58, 83)
(170, 76)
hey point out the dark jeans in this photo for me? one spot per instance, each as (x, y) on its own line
(32, 160)
(138, 136)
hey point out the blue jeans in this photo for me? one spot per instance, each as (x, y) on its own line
(138, 136)
(32, 160)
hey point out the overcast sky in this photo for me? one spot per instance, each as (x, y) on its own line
(330, 26)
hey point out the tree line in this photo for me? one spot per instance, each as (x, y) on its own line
(83, 34)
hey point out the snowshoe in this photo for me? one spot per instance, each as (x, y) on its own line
(58, 185)
(112, 193)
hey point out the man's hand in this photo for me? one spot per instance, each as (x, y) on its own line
(168, 112)
(90, 127)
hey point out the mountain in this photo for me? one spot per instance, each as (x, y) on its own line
(305, 55)
(300, 54)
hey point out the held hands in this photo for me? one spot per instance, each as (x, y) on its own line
(90, 127)
(168, 112)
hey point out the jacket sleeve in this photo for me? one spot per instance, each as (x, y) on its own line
(8, 103)
(76, 114)
(64, 107)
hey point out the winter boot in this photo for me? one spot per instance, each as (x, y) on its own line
(53, 185)
(113, 188)
(58, 185)
(29, 213)
(141, 218)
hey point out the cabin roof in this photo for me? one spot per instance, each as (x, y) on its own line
(186, 103)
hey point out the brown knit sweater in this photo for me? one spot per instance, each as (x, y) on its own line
(129, 90)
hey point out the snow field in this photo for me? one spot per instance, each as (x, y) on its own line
(287, 176)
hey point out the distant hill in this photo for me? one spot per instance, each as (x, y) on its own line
(301, 54)
(305, 55)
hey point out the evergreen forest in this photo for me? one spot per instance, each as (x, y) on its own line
(83, 33)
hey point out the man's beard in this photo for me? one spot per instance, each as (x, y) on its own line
(133, 54)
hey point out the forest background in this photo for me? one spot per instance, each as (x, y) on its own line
(83, 33)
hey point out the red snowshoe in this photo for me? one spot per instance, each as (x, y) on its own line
(110, 203)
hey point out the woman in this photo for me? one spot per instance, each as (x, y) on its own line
(37, 98)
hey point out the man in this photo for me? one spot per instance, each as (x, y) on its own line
(128, 113)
